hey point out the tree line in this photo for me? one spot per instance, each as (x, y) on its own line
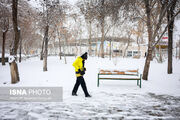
(27, 27)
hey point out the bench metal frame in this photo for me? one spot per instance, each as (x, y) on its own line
(138, 79)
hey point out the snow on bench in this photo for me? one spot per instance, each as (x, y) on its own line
(119, 75)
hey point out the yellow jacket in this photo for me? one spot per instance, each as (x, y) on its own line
(78, 64)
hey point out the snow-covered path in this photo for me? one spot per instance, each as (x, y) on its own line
(101, 107)
(159, 97)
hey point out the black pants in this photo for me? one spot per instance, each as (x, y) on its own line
(80, 81)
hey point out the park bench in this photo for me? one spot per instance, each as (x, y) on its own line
(119, 75)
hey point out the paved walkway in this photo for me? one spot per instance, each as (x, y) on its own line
(112, 106)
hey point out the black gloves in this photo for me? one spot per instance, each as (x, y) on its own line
(81, 72)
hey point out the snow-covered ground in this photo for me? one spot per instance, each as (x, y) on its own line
(159, 97)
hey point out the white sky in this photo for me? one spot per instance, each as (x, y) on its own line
(35, 3)
(72, 1)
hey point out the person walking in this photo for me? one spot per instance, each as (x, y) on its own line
(79, 65)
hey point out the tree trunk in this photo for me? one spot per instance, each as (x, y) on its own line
(179, 49)
(76, 53)
(160, 54)
(102, 39)
(46, 49)
(42, 48)
(169, 70)
(138, 43)
(126, 49)
(13, 66)
(14, 72)
(153, 54)
(147, 64)
(160, 51)
(80, 44)
(149, 54)
(59, 49)
(110, 46)
(3, 48)
(176, 51)
(65, 44)
(90, 38)
(110, 51)
(170, 15)
(59, 43)
(129, 37)
(96, 49)
(20, 46)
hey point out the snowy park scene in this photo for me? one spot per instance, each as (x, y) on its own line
(89, 60)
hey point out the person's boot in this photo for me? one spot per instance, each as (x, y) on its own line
(74, 94)
(88, 95)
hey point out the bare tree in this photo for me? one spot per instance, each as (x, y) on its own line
(129, 33)
(29, 37)
(4, 30)
(59, 43)
(170, 14)
(4, 21)
(50, 18)
(138, 32)
(42, 49)
(149, 27)
(101, 10)
(86, 8)
(13, 65)
(154, 30)
(160, 51)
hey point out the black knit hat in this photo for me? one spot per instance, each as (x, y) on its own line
(84, 56)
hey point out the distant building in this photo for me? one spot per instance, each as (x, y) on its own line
(162, 47)
(119, 47)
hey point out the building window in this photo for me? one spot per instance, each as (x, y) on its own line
(120, 53)
(129, 53)
(135, 53)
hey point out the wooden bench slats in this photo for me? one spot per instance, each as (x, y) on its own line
(117, 74)
(121, 78)
(130, 73)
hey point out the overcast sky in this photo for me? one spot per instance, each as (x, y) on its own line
(72, 1)
(36, 3)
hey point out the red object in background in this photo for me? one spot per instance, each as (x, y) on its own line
(164, 37)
